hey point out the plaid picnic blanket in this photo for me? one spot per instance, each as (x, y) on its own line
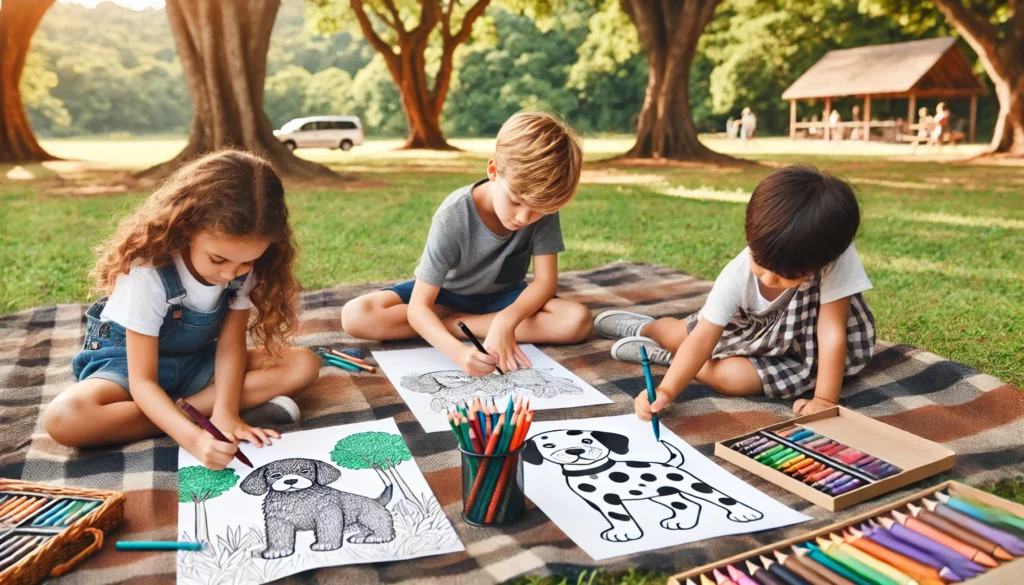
(974, 414)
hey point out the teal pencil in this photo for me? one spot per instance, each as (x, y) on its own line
(651, 395)
(57, 519)
(158, 545)
(88, 507)
(340, 363)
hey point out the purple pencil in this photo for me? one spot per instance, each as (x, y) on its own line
(829, 479)
(954, 560)
(1012, 544)
(881, 536)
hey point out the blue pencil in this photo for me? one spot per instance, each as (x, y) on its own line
(651, 396)
(157, 545)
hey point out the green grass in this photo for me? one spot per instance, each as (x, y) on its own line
(942, 243)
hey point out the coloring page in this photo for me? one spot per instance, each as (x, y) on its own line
(431, 384)
(615, 490)
(336, 496)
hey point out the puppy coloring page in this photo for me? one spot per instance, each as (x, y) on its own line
(431, 384)
(614, 490)
(336, 496)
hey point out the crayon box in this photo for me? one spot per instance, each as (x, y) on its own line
(1008, 573)
(47, 530)
(913, 457)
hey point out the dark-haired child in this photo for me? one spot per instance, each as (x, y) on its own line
(786, 317)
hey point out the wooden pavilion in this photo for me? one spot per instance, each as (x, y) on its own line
(930, 68)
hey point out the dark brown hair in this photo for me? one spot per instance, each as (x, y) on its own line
(800, 220)
(229, 192)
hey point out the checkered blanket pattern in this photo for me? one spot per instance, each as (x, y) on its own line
(972, 413)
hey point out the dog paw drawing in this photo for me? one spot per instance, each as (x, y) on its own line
(322, 546)
(744, 514)
(678, 523)
(271, 554)
(622, 533)
(368, 539)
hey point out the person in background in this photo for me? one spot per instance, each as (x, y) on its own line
(748, 126)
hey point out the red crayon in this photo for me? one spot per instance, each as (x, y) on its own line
(205, 424)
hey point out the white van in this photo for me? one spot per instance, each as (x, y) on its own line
(342, 132)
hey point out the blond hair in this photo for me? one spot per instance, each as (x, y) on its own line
(229, 192)
(541, 158)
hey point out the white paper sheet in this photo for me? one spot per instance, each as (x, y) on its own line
(245, 509)
(430, 384)
(648, 495)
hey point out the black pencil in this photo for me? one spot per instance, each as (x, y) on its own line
(476, 342)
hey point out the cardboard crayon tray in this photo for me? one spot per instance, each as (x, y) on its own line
(1007, 573)
(916, 458)
(45, 531)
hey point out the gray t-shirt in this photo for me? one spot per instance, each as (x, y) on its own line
(463, 256)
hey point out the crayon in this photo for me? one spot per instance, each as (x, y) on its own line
(13, 503)
(809, 470)
(877, 564)
(780, 456)
(797, 468)
(923, 574)
(847, 487)
(721, 579)
(982, 512)
(757, 443)
(881, 536)
(823, 474)
(205, 424)
(691, 582)
(340, 363)
(803, 556)
(769, 453)
(761, 576)
(22, 547)
(790, 461)
(803, 434)
(52, 512)
(781, 573)
(85, 509)
(961, 565)
(962, 534)
(751, 439)
(353, 359)
(866, 571)
(1008, 541)
(830, 478)
(931, 532)
(788, 431)
(739, 576)
(651, 395)
(838, 483)
(788, 563)
(818, 556)
(157, 545)
(754, 453)
(57, 518)
(479, 346)
(705, 581)
(818, 443)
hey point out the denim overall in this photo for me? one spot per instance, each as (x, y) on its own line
(187, 341)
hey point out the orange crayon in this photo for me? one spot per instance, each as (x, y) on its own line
(921, 573)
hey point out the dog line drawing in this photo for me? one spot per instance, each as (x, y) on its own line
(298, 498)
(453, 387)
(607, 485)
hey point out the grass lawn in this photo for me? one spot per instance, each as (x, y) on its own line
(941, 242)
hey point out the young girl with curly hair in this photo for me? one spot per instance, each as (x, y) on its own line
(182, 274)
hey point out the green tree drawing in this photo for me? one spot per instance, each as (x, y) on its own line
(197, 484)
(376, 450)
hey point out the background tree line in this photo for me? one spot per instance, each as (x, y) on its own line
(582, 59)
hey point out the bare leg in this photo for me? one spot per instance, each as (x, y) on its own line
(669, 332)
(99, 412)
(558, 321)
(380, 316)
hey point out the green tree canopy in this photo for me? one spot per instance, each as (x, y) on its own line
(359, 450)
(197, 483)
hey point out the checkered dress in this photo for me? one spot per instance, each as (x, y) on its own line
(783, 344)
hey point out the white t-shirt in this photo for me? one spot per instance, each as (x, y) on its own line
(139, 301)
(737, 287)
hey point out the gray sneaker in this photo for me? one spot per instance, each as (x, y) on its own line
(619, 324)
(627, 349)
(279, 411)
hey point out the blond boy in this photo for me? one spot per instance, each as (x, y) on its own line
(481, 241)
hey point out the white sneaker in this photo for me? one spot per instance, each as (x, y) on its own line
(276, 412)
(618, 324)
(627, 349)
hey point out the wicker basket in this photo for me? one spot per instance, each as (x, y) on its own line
(72, 545)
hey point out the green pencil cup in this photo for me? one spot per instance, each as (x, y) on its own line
(493, 491)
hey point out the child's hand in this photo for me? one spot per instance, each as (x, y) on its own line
(475, 363)
(235, 429)
(211, 452)
(643, 407)
(501, 343)
(804, 406)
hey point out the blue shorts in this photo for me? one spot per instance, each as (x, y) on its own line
(481, 304)
(180, 376)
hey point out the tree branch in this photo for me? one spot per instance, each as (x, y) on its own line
(374, 39)
(467, 21)
(968, 22)
(398, 25)
(450, 43)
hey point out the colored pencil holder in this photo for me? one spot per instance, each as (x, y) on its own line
(493, 489)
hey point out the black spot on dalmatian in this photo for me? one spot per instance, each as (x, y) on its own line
(544, 438)
(649, 477)
(675, 477)
(593, 477)
(549, 446)
(618, 516)
(679, 505)
(586, 487)
(702, 488)
(618, 477)
(638, 464)
(727, 501)
(642, 484)
(667, 490)
(635, 493)
(573, 433)
(613, 499)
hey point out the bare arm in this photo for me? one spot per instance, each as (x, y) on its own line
(425, 321)
(230, 365)
(501, 337)
(689, 358)
(831, 337)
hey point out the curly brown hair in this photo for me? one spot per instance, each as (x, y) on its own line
(229, 192)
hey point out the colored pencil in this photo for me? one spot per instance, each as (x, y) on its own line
(651, 395)
(1008, 541)
(881, 536)
(803, 556)
(704, 580)
(15, 553)
(982, 512)
(867, 572)
(205, 424)
(836, 567)
(720, 577)
(781, 573)
(923, 574)
(976, 540)
(354, 360)
(478, 481)
(762, 576)
(739, 577)
(788, 563)
(963, 566)
(933, 533)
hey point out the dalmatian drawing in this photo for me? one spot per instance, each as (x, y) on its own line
(452, 387)
(607, 485)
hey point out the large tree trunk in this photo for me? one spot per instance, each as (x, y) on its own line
(421, 113)
(223, 49)
(669, 31)
(1003, 59)
(18, 22)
